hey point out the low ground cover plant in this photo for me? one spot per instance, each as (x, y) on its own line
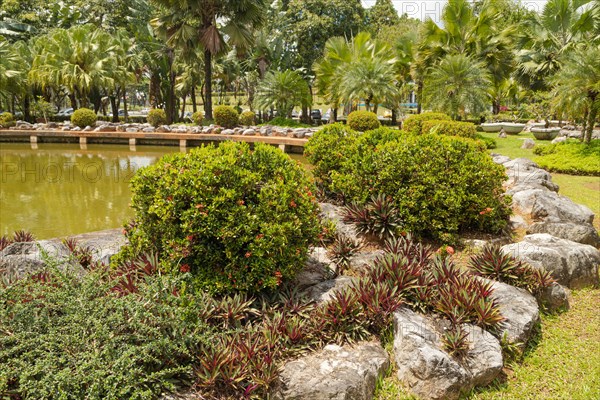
(572, 157)
(236, 219)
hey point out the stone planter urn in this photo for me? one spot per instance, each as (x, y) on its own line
(492, 127)
(545, 133)
(513, 128)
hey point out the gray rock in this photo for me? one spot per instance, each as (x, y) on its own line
(560, 139)
(266, 131)
(428, 371)
(131, 130)
(103, 245)
(581, 233)
(528, 144)
(76, 128)
(476, 244)
(502, 135)
(518, 222)
(334, 213)
(317, 269)
(24, 125)
(87, 129)
(52, 125)
(362, 260)
(334, 373)
(164, 129)
(324, 291)
(555, 298)
(572, 264)
(500, 159)
(66, 128)
(148, 130)
(227, 132)
(249, 132)
(520, 310)
(524, 174)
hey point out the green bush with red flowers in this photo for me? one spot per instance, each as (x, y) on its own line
(441, 185)
(235, 219)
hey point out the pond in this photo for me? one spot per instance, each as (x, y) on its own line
(58, 190)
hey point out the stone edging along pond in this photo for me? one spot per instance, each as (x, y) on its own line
(560, 237)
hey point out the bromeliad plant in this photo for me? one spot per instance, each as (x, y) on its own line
(342, 250)
(492, 263)
(378, 218)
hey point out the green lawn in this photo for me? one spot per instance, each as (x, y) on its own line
(565, 363)
(581, 189)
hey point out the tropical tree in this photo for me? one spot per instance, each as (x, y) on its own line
(361, 68)
(577, 85)
(545, 37)
(478, 35)
(78, 59)
(282, 91)
(458, 86)
(382, 14)
(215, 25)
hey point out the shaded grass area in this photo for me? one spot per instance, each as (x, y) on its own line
(564, 364)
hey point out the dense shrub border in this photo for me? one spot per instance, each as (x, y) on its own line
(572, 157)
(157, 117)
(237, 219)
(413, 123)
(83, 117)
(441, 185)
(226, 116)
(7, 120)
(450, 128)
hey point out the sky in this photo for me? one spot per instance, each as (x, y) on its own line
(424, 9)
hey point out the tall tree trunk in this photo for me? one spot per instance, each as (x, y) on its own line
(591, 121)
(586, 112)
(394, 117)
(208, 85)
(333, 114)
(170, 101)
(419, 96)
(125, 113)
(73, 101)
(27, 108)
(115, 108)
(184, 103)
(193, 94)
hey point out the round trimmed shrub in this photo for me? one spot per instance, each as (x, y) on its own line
(235, 219)
(83, 117)
(363, 121)
(7, 120)
(326, 150)
(198, 117)
(440, 185)
(247, 118)
(413, 124)
(226, 116)
(451, 128)
(157, 117)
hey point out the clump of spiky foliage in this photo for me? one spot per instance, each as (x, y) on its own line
(379, 217)
(5, 241)
(494, 264)
(23, 236)
(341, 251)
(455, 342)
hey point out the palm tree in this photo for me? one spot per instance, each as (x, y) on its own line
(78, 59)
(362, 68)
(474, 34)
(547, 36)
(577, 85)
(458, 86)
(283, 91)
(209, 23)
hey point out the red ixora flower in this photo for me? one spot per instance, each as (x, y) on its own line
(278, 276)
(241, 202)
(184, 268)
(293, 204)
(248, 254)
(486, 211)
(450, 250)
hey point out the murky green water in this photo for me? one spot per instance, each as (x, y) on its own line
(58, 190)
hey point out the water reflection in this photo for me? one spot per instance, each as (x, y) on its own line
(61, 189)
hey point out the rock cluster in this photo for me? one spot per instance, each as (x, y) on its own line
(104, 126)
